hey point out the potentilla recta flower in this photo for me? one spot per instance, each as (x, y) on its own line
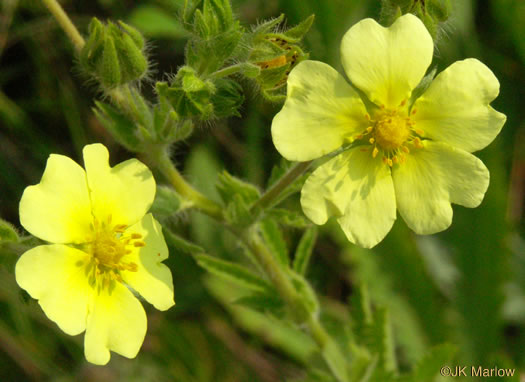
(104, 243)
(414, 157)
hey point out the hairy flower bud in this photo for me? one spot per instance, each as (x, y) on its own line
(114, 54)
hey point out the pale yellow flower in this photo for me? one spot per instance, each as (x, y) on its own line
(395, 155)
(104, 243)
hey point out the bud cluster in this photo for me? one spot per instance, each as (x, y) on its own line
(114, 54)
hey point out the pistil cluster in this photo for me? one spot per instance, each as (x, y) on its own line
(109, 249)
(391, 132)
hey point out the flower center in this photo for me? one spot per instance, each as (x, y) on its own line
(392, 132)
(109, 251)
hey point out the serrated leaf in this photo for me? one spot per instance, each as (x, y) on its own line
(122, 129)
(7, 232)
(275, 240)
(297, 33)
(228, 186)
(238, 212)
(305, 291)
(429, 366)
(167, 202)
(233, 272)
(381, 342)
(288, 217)
(182, 244)
(262, 302)
(335, 361)
(360, 310)
(304, 250)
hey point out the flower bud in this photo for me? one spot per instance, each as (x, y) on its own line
(114, 54)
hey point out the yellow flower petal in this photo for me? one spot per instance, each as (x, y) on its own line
(356, 188)
(431, 179)
(116, 322)
(125, 191)
(320, 111)
(455, 108)
(387, 63)
(152, 279)
(55, 276)
(58, 208)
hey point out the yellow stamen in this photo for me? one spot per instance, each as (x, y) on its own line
(375, 152)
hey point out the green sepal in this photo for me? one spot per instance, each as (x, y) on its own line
(134, 34)
(168, 126)
(108, 69)
(189, 95)
(8, 232)
(133, 62)
(268, 25)
(423, 85)
(228, 186)
(227, 98)
(121, 128)
(297, 33)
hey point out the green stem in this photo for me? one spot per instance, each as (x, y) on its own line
(201, 202)
(65, 22)
(273, 192)
(287, 291)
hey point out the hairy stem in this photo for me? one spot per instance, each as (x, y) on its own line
(287, 291)
(274, 191)
(65, 22)
(201, 202)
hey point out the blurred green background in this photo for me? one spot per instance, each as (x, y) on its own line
(465, 286)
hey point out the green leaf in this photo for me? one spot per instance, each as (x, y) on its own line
(167, 202)
(228, 186)
(238, 212)
(288, 217)
(227, 98)
(306, 292)
(429, 366)
(335, 361)
(122, 129)
(275, 240)
(8, 232)
(361, 310)
(156, 22)
(304, 250)
(182, 244)
(234, 272)
(381, 342)
(262, 302)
